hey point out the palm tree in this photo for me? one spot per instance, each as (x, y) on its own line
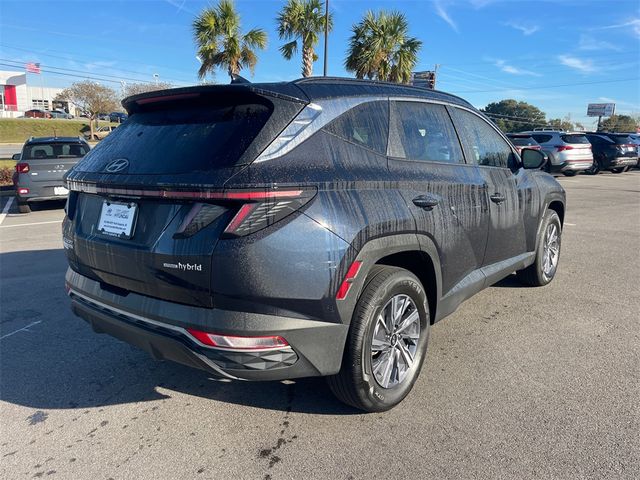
(381, 49)
(221, 44)
(302, 20)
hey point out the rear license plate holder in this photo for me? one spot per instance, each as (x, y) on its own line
(117, 219)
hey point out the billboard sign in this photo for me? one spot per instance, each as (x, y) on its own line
(601, 109)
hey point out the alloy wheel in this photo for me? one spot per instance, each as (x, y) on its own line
(551, 250)
(395, 340)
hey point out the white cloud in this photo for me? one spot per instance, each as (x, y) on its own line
(634, 24)
(587, 42)
(526, 29)
(505, 67)
(583, 65)
(443, 14)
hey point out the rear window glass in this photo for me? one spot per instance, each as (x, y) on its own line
(542, 138)
(574, 139)
(182, 139)
(54, 150)
(621, 139)
(523, 141)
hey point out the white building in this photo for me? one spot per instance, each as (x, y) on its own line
(17, 96)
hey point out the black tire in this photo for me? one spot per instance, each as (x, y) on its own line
(619, 170)
(23, 207)
(356, 384)
(535, 274)
(594, 169)
(569, 173)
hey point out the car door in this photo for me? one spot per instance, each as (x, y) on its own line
(509, 188)
(446, 196)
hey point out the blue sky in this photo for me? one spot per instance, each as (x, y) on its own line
(558, 55)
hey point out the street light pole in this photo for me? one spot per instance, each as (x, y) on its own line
(326, 34)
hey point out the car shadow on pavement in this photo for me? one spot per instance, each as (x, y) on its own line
(510, 282)
(58, 362)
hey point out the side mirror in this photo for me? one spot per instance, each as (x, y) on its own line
(15, 156)
(533, 159)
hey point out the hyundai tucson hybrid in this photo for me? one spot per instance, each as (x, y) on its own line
(311, 228)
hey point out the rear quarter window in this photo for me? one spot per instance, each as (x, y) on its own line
(366, 125)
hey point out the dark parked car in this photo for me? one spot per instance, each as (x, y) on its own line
(318, 227)
(117, 117)
(37, 113)
(612, 151)
(523, 140)
(41, 166)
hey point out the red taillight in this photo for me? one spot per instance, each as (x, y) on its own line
(23, 191)
(348, 280)
(22, 167)
(262, 208)
(562, 148)
(233, 342)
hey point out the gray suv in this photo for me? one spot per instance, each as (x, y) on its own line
(568, 152)
(41, 166)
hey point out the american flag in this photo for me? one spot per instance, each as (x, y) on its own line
(33, 67)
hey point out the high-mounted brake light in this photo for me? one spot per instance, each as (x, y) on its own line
(233, 342)
(167, 98)
(22, 167)
(352, 273)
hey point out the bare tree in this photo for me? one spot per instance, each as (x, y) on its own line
(130, 89)
(91, 97)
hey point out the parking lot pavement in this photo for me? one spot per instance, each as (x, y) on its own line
(518, 383)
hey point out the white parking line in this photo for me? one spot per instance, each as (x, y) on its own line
(20, 329)
(5, 210)
(29, 224)
(570, 224)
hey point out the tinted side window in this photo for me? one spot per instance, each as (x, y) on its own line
(366, 125)
(425, 133)
(542, 138)
(482, 144)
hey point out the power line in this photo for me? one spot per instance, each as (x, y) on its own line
(556, 86)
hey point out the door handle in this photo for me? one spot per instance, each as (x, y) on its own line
(497, 198)
(426, 202)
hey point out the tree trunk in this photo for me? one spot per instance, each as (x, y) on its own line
(91, 120)
(234, 69)
(307, 61)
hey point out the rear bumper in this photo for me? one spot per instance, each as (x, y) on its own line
(159, 327)
(620, 162)
(39, 193)
(575, 165)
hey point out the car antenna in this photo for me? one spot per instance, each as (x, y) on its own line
(235, 78)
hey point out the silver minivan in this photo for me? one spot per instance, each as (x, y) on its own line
(568, 152)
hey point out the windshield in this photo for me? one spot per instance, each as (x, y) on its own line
(54, 150)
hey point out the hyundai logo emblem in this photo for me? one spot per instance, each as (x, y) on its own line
(117, 165)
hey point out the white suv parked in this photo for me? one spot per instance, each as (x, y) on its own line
(568, 152)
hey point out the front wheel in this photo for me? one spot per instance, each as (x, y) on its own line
(387, 341)
(594, 169)
(544, 268)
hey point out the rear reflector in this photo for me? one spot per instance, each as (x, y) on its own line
(232, 342)
(348, 280)
(23, 191)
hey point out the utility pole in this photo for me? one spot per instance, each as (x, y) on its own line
(326, 34)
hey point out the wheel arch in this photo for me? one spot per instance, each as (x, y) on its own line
(415, 253)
